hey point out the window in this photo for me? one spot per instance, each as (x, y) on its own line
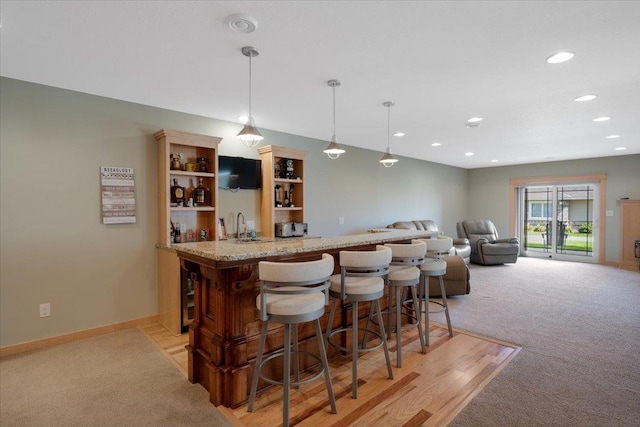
(539, 210)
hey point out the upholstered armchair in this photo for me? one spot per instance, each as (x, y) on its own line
(486, 246)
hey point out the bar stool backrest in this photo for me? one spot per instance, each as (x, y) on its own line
(409, 254)
(276, 277)
(364, 264)
(366, 260)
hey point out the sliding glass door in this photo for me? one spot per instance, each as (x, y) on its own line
(559, 221)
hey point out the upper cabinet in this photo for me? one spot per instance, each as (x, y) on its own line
(188, 186)
(282, 187)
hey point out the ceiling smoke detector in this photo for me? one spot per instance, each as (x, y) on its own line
(242, 23)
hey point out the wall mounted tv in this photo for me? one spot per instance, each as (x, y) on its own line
(238, 172)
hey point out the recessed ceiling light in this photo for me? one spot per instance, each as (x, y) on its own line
(602, 119)
(494, 161)
(243, 119)
(241, 23)
(586, 98)
(468, 154)
(620, 148)
(474, 119)
(436, 144)
(560, 57)
(612, 136)
(398, 134)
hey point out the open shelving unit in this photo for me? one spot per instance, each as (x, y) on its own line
(172, 298)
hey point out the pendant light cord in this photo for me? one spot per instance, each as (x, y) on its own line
(388, 125)
(334, 112)
(250, 56)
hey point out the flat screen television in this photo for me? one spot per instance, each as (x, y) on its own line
(238, 172)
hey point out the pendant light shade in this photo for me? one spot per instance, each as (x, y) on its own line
(387, 159)
(334, 149)
(249, 133)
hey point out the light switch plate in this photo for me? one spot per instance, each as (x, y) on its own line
(609, 213)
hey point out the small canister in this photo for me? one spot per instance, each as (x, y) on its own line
(204, 234)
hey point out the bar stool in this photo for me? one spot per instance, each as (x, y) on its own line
(360, 279)
(433, 268)
(292, 293)
(404, 274)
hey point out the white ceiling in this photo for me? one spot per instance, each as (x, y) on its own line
(440, 62)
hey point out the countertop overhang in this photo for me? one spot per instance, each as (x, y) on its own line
(230, 250)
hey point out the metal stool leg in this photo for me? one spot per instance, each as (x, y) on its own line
(446, 307)
(354, 350)
(256, 371)
(296, 352)
(425, 296)
(331, 314)
(384, 342)
(416, 312)
(286, 373)
(398, 328)
(325, 364)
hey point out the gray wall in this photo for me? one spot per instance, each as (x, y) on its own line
(489, 188)
(54, 248)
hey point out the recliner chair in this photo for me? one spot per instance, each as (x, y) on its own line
(486, 246)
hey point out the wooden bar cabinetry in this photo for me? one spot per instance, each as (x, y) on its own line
(190, 146)
(282, 171)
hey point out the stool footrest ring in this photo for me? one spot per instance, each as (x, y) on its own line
(360, 350)
(315, 376)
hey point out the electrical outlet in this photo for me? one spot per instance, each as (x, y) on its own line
(340, 221)
(45, 310)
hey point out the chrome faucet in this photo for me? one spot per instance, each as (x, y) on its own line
(238, 225)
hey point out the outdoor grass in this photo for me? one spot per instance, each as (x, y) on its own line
(575, 242)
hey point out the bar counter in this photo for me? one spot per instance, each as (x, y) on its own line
(225, 331)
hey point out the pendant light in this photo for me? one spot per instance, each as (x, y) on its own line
(387, 159)
(334, 149)
(249, 133)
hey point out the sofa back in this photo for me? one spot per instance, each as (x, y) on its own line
(423, 224)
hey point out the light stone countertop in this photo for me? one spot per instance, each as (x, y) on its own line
(231, 250)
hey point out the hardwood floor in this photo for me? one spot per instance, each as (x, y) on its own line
(429, 390)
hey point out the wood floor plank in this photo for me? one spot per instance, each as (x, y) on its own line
(429, 390)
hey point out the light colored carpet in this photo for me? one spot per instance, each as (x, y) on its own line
(579, 329)
(119, 379)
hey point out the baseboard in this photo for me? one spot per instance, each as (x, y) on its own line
(611, 263)
(12, 350)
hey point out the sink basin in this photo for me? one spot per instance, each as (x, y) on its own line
(256, 240)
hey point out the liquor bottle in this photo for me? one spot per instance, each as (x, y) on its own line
(177, 236)
(177, 194)
(200, 194)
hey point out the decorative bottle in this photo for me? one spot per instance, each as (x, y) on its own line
(177, 194)
(200, 194)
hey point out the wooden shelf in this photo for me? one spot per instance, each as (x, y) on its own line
(272, 158)
(191, 146)
(289, 180)
(192, 209)
(194, 174)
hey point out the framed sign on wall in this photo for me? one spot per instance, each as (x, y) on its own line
(118, 195)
